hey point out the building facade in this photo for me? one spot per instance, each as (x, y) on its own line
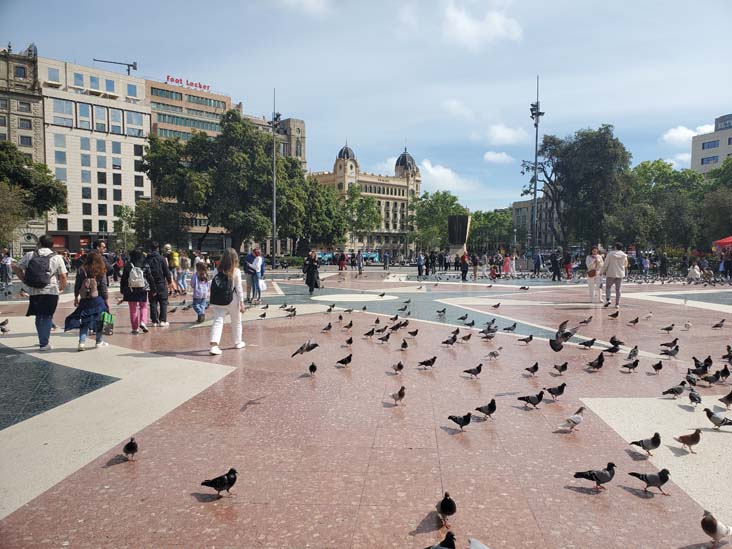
(21, 123)
(709, 150)
(394, 195)
(96, 127)
(521, 214)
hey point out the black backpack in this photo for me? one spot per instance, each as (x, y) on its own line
(38, 272)
(222, 289)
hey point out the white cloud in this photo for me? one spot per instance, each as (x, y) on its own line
(680, 136)
(457, 108)
(436, 177)
(680, 161)
(308, 6)
(493, 157)
(471, 32)
(386, 167)
(500, 134)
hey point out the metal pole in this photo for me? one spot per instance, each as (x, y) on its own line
(274, 177)
(534, 237)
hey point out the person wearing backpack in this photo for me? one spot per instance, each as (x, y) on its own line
(135, 285)
(44, 277)
(90, 299)
(161, 279)
(227, 296)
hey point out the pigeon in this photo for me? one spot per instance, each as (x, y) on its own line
(533, 369)
(463, 318)
(447, 543)
(347, 310)
(345, 361)
(283, 306)
(598, 476)
(4, 322)
(465, 338)
(649, 316)
(691, 379)
(676, 390)
(588, 343)
(668, 329)
(712, 379)
(429, 363)
(633, 322)
(714, 529)
(394, 318)
(631, 366)
(586, 321)
(615, 341)
(363, 308)
(474, 371)
(224, 482)
(263, 315)
(510, 328)
(719, 325)
(557, 391)
(399, 395)
(670, 344)
(408, 301)
(657, 367)
(489, 409)
(689, 440)
(370, 333)
(614, 315)
(327, 328)
(688, 325)
(561, 368)
(402, 309)
(398, 367)
(312, 369)
(446, 508)
(574, 420)
(488, 336)
(717, 419)
(724, 373)
(385, 337)
(694, 398)
(413, 333)
(306, 347)
(653, 480)
(495, 354)
(456, 331)
(556, 345)
(470, 324)
(130, 449)
(441, 312)
(330, 308)
(597, 363)
(726, 400)
(340, 318)
(382, 329)
(633, 353)
(612, 350)
(670, 352)
(527, 340)
(461, 421)
(534, 400)
(450, 341)
(496, 305)
(648, 444)
(377, 321)
(349, 342)
(4, 330)
(348, 326)
(404, 345)
(382, 294)
(171, 311)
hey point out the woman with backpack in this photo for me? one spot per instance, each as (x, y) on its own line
(90, 298)
(135, 285)
(227, 296)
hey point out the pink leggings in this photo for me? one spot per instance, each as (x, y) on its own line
(134, 319)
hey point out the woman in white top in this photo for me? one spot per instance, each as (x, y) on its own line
(594, 264)
(229, 267)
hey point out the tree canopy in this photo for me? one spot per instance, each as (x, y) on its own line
(431, 213)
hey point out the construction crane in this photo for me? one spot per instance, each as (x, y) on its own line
(129, 66)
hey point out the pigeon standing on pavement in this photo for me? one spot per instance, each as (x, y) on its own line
(130, 449)
(399, 395)
(461, 421)
(649, 444)
(561, 368)
(557, 391)
(675, 391)
(474, 372)
(488, 409)
(598, 476)
(533, 369)
(653, 480)
(574, 420)
(714, 529)
(446, 507)
(312, 369)
(717, 419)
(224, 482)
(726, 400)
(447, 543)
(534, 400)
(689, 440)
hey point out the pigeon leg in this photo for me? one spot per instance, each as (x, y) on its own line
(691, 450)
(664, 493)
(600, 487)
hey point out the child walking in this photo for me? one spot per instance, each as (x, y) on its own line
(200, 286)
(135, 285)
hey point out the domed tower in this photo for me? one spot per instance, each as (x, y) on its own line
(406, 168)
(346, 168)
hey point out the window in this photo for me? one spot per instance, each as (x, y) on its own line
(115, 117)
(85, 176)
(86, 208)
(61, 121)
(86, 160)
(101, 161)
(116, 163)
(20, 71)
(131, 90)
(710, 144)
(190, 123)
(102, 178)
(116, 147)
(62, 224)
(166, 93)
(710, 160)
(25, 141)
(102, 226)
(134, 118)
(3, 103)
(102, 194)
(138, 165)
(86, 193)
(84, 110)
(163, 132)
(78, 80)
(3, 136)
(60, 174)
(3, 120)
(100, 118)
(729, 141)
(25, 124)
(59, 140)
(102, 209)
(138, 150)
(86, 223)
(24, 106)
(139, 195)
(205, 101)
(94, 82)
(117, 195)
(139, 181)
(101, 146)
(59, 157)
(109, 85)
(53, 75)
(85, 144)
(116, 179)
(165, 107)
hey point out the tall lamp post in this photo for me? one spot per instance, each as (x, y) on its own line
(536, 115)
(275, 125)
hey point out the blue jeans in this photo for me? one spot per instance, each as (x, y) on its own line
(84, 330)
(199, 305)
(256, 292)
(43, 327)
(182, 279)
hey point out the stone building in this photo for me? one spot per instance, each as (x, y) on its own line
(710, 150)
(521, 214)
(394, 195)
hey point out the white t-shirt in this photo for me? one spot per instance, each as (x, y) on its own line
(56, 265)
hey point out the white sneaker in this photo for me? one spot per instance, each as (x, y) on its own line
(155, 324)
(46, 347)
(143, 328)
(164, 324)
(81, 347)
(240, 345)
(215, 350)
(101, 344)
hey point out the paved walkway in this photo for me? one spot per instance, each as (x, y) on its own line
(329, 461)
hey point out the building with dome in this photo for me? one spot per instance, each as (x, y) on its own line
(394, 195)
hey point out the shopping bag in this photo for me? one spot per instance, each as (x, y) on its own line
(262, 285)
(107, 321)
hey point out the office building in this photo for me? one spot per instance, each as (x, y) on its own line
(393, 194)
(709, 150)
(521, 214)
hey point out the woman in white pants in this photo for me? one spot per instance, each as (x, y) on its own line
(227, 284)
(594, 264)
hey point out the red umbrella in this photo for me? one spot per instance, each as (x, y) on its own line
(724, 242)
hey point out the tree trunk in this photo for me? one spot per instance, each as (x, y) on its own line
(237, 237)
(203, 236)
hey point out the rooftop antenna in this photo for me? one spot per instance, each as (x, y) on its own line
(129, 66)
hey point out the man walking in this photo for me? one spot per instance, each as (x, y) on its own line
(420, 265)
(44, 276)
(538, 260)
(614, 269)
(159, 289)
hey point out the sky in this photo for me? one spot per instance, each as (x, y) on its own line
(451, 80)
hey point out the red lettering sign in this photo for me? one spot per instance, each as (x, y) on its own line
(185, 82)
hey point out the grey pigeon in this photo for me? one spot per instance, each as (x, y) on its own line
(653, 480)
(461, 421)
(695, 398)
(717, 419)
(598, 476)
(676, 390)
(429, 363)
(447, 543)
(714, 529)
(474, 372)
(574, 420)
(224, 482)
(489, 409)
(534, 400)
(726, 400)
(446, 507)
(649, 444)
(557, 391)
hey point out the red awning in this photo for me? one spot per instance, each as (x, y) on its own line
(724, 242)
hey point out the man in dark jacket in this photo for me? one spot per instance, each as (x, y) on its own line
(159, 289)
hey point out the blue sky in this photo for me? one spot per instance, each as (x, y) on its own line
(451, 79)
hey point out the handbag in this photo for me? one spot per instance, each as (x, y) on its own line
(107, 321)
(262, 285)
(591, 273)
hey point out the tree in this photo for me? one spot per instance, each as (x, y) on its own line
(124, 228)
(14, 211)
(324, 222)
(489, 230)
(361, 211)
(158, 220)
(431, 213)
(717, 219)
(721, 178)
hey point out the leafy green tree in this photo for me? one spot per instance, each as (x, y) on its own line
(324, 222)
(721, 178)
(14, 211)
(431, 213)
(716, 222)
(490, 230)
(159, 220)
(362, 212)
(124, 228)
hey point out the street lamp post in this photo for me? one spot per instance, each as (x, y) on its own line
(275, 125)
(536, 114)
